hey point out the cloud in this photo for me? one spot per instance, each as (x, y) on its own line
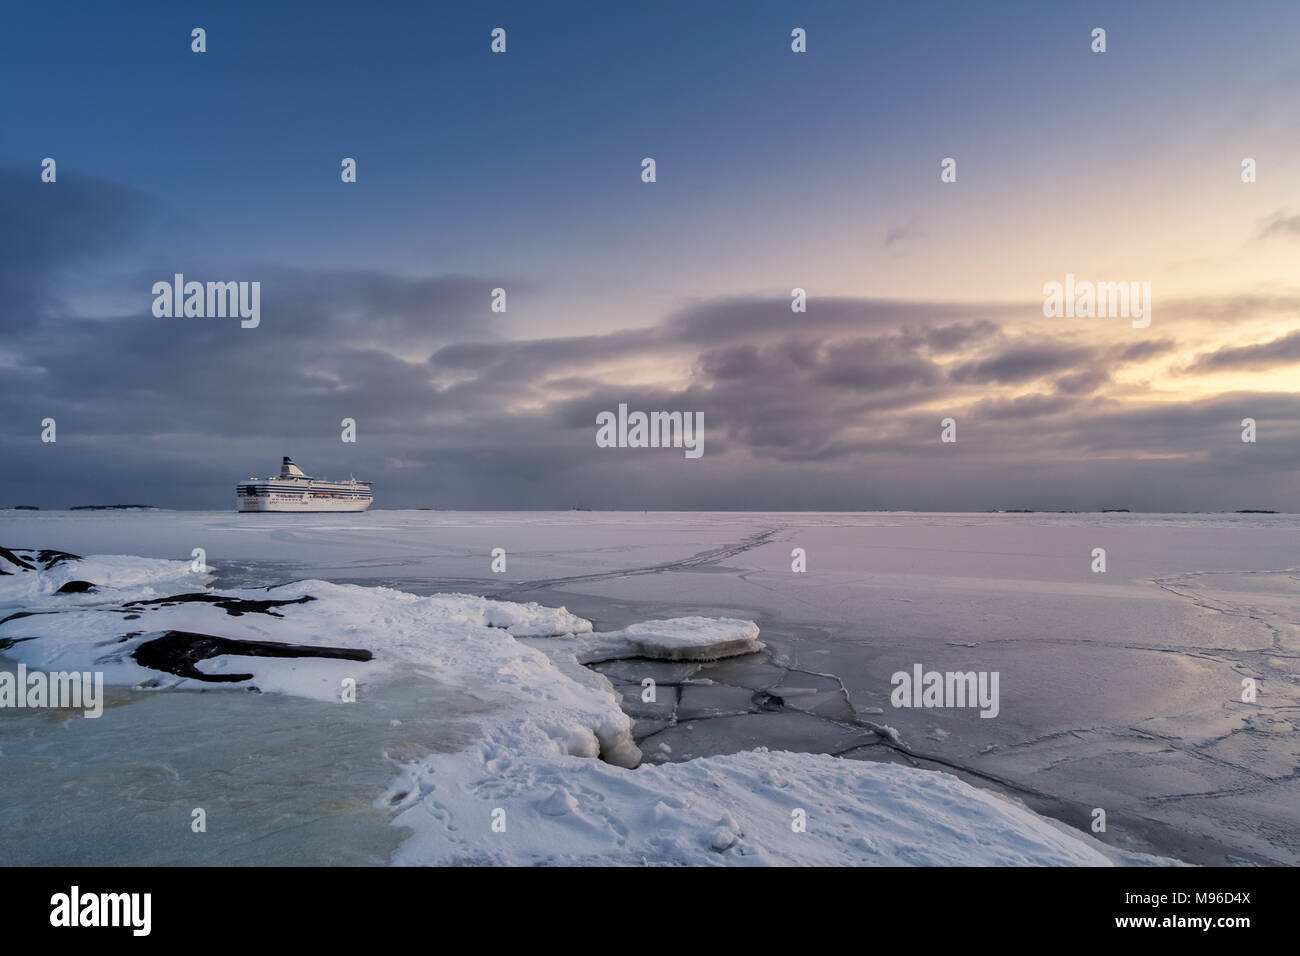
(902, 233)
(1020, 364)
(756, 317)
(947, 338)
(1280, 351)
(1141, 351)
(1082, 383)
(1280, 224)
(1023, 406)
(50, 229)
(838, 407)
(875, 364)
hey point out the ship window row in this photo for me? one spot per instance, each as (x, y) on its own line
(249, 491)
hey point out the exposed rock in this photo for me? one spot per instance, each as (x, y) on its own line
(176, 652)
(231, 605)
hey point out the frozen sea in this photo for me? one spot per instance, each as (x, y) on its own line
(1119, 691)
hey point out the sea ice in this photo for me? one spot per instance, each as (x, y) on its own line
(520, 785)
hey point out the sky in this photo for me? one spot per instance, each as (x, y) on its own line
(775, 170)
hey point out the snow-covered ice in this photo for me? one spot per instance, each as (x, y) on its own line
(735, 809)
(515, 775)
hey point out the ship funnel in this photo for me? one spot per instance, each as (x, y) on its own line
(289, 470)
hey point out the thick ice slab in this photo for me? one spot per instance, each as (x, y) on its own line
(676, 639)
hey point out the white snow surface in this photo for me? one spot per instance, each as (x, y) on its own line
(735, 809)
(528, 788)
(118, 577)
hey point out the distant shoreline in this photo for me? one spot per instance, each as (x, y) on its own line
(112, 508)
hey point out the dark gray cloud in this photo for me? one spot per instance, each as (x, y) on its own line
(1083, 382)
(1280, 351)
(1020, 364)
(1141, 351)
(1023, 406)
(838, 407)
(757, 317)
(874, 365)
(901, 233)
(948, 338)
(47, 230)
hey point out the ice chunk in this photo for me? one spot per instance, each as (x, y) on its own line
(675, 639)
(692, 638)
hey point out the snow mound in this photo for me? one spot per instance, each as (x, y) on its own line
(462, 642)
(34, 579)
(751, 809)
(521, 620)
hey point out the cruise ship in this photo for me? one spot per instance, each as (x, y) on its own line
(294, 491)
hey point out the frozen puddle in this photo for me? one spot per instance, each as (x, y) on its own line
(477, 734)
(281, 780)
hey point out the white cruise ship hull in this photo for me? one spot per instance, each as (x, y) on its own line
(295, 491)
(300, 502)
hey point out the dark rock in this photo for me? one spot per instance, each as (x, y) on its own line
(7, 555)
(176, 652)
(77, 587)
(231, 605)
(52, 559)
